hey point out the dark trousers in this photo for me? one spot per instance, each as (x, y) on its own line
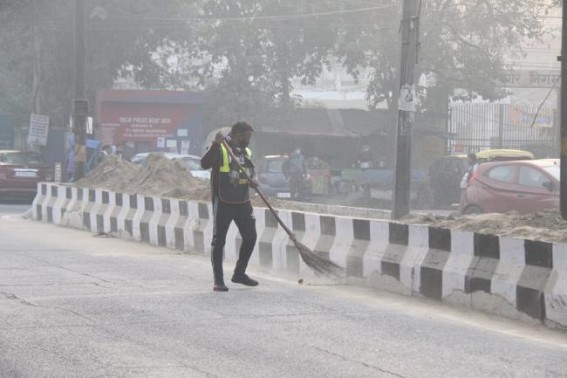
(243, 217)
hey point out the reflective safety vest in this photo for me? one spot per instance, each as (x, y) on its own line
(232, 184)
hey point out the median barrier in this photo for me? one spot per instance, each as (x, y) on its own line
(518, 278)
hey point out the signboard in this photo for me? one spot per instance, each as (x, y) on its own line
(160, 142)
(149, 118)
(533, 79)
(185, 144)
(38, 130)
(406, 102)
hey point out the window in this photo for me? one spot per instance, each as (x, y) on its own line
(275, 166)
(504, 173)
(554, 171)
(19, 158)
(532, 177)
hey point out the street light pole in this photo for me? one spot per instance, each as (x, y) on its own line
(80, 102)
(406, 108)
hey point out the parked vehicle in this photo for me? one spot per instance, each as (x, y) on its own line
(525, 186)
(271, 178)
(445, 173)
(20, 172)
(191, 162)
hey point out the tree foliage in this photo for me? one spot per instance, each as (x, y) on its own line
(463, 46)
(247, 53)
(39, 34)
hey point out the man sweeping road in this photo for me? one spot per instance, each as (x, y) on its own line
(231, 200)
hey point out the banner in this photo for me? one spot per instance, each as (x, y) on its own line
(38, 130)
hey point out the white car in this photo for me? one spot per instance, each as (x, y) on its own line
(191, 162)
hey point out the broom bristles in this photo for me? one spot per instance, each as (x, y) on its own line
(317, 263)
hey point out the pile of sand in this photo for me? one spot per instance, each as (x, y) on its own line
(158, 176)
(162, 177)
(112, 173)
(545, 226)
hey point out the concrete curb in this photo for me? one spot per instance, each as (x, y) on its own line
(518, 278)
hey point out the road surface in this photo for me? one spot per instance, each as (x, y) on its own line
(76, 305)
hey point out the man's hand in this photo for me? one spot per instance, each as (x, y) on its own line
(219, 137)
(253, 183)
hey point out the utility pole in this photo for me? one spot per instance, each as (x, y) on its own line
(37, 73)
(563, 111)
(80, 102)
(406, 107)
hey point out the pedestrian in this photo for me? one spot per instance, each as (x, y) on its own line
(473, 165)
(467, 177)
(70, 164)
(231, 201)
(295, 170)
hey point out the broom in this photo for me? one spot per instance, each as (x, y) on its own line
(314, 261)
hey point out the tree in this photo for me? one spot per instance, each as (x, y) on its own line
(37, 41)
(462, 51)
(248, 52)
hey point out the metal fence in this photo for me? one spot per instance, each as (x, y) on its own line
(476, 127)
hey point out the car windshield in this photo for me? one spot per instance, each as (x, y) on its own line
(21, 158)
(553, 170)
(275, 166)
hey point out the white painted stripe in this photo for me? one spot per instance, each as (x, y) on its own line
(343, 242)
(281, 240)
(153, 219)
(510, 267)
(170, 222)
(59, 204)
(460, 258)
(556, 290)
(137, 217)
(372, 260)
(418, 246)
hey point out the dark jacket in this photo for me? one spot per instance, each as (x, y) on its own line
(227, 182)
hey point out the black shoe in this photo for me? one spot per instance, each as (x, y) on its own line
(220, 287)
(244, 279)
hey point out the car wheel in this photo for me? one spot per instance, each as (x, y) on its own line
(472, 209)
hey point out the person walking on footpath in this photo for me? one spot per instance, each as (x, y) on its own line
(231, 201)
(295, 170)
(468, 175)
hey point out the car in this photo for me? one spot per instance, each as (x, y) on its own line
(21, 171)
(191, 162)
(525, 186)
(271, 179)
(445, 173)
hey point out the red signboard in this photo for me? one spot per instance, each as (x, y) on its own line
(144, 116)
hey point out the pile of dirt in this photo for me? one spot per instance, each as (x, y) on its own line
(113, 173)
(544, 226)
(158, 176)
(163, 177)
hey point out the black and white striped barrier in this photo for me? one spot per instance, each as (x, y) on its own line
(511, 277)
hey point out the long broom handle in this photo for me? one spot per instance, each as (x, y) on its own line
(255, 186)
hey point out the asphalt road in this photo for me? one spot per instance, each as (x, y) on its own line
(14, 206)
(76, 305)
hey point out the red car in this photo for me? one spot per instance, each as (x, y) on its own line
(526, 186)
(20, 172)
